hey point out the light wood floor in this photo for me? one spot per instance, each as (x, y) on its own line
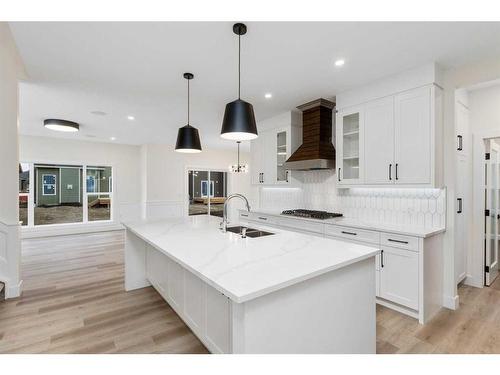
(74, 302)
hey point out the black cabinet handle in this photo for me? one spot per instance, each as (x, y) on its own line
(459, 200)
(244, 215)
(398, 241)
(390, 172)
(262, 218)
(382, 258)
(460, 143)
(286, 176)
(396, 171)
(262, 177)
(350, 233)
(338, 176)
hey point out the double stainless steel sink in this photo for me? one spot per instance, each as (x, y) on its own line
(250, 232)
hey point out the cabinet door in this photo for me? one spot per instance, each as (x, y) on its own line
(399, 276)
(256, 153)
(282, 150)
(413, 142)
(379, 141)
(461, 212)
(176, 285)
(194, 304)
(463, 138)
(349, 152)
(218, 325)
(269, 157)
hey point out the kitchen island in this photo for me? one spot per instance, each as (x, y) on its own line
(283, 293)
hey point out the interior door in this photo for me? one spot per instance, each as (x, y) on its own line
(492, 203)
(379, 141)
(413, 137)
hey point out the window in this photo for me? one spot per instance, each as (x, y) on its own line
(91, 184)
(49, 184)
(63, 194)
(207, 191)
(99, 193)
(204, 189)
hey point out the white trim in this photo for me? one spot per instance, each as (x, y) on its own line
(451, 302)
(54, 184)
(69, 228)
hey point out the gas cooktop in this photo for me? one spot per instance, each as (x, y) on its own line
(311, 214)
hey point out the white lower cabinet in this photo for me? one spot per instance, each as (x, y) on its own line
(205, 310)
(402, 282)
(398, 276)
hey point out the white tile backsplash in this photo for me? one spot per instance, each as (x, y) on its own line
(317, 190)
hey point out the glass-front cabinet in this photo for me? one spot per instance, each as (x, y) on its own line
(282, 153)
(349, 146)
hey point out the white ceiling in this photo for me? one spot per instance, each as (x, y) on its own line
(136, 69)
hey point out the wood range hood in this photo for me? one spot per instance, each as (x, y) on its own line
(316, 151)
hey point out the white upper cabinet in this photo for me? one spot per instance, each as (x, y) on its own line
(379, 141)
(278, 138)
(414, 146)
(349, 151)
(400, 131)
(399, 141)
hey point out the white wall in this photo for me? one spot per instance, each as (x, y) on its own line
(484, 105)
(460, 77)
(166, 177)
(11, 69)
(125, 160)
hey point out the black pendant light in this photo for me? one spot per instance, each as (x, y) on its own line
(188, 139)
(239, 119)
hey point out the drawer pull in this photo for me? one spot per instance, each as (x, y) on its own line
(262, 218)
(398, 241)
(350, 233)
(244, 215)
(382, 258)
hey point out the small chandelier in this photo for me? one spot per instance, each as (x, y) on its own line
(239, 168)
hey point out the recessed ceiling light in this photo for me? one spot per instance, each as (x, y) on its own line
(339, 62)
(268, 95)
(113, 138)
(131, 118)
(99, 113)
(61, 125)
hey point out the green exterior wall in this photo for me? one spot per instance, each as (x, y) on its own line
(70, 188)
(46, 199)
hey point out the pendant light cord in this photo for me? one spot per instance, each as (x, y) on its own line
(188, 101)
(239, 66)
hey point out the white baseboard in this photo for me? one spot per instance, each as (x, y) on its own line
(13, 291)
(67, 229)
(451, 302)
(471, 281)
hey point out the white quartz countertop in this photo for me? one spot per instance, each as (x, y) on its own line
(247, 268)
(408, 230)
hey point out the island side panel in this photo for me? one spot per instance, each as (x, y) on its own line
(332, 313)
(135, 262)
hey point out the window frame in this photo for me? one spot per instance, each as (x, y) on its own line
(31, 195)
(54, 185)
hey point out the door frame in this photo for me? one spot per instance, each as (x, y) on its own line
(492, 273)
(476, 267)
(229, 188)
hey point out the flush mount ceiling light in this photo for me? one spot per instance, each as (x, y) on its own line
(238, 168)
(239, 119)
(131, 118)
(188, 139)
(61, 125)
(268, 95)
(339, 62)
(113, 138)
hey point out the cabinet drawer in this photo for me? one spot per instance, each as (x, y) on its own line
(301, 225)
(399, 241)
(261, 218)
(353, 234)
